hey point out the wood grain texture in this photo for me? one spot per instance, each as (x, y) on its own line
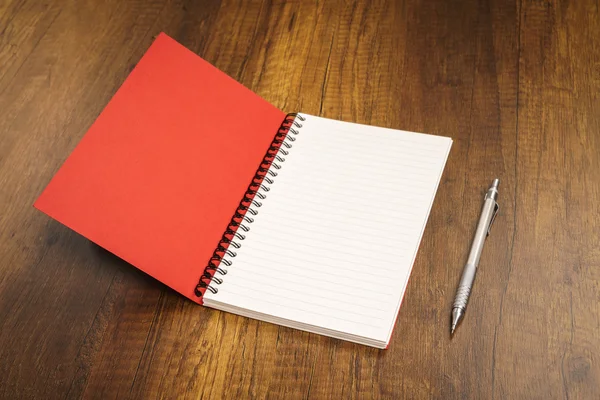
(514, 83)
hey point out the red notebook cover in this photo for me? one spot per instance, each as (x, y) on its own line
(159, 174)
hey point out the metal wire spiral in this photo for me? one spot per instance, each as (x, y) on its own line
(257, 191)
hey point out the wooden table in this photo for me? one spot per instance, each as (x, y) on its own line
(514, 83)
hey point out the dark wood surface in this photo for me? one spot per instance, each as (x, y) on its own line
(514, 83)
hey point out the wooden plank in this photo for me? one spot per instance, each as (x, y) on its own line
(547, 339)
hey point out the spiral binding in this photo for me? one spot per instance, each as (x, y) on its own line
(263, 178)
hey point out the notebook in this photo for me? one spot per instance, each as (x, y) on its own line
(292, 219)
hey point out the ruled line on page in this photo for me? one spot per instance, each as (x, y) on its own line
(358, 240)
(319, 305)
(318, 176)
(400, 143)
(396, 214)
(356, 215)
(362, 191)
(321, 273)
(301, 290)
(267, 247)
(387, 154)
(340, 234)
(315, 248)
(373, 167)
(308, 310)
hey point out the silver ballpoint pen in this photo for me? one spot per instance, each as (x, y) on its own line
(488, 214)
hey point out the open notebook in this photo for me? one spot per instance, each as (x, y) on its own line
(293, 219)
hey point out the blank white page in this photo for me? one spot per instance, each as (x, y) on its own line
(333, 244)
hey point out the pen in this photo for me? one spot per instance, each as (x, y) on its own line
(488, 214)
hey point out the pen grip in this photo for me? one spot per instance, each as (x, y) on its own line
(464, 287)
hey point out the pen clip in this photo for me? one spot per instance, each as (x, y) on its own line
(496, 208)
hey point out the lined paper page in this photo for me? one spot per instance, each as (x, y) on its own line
(334, 242)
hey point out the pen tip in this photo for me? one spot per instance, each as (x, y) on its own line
(457, 314)
(496, 183)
